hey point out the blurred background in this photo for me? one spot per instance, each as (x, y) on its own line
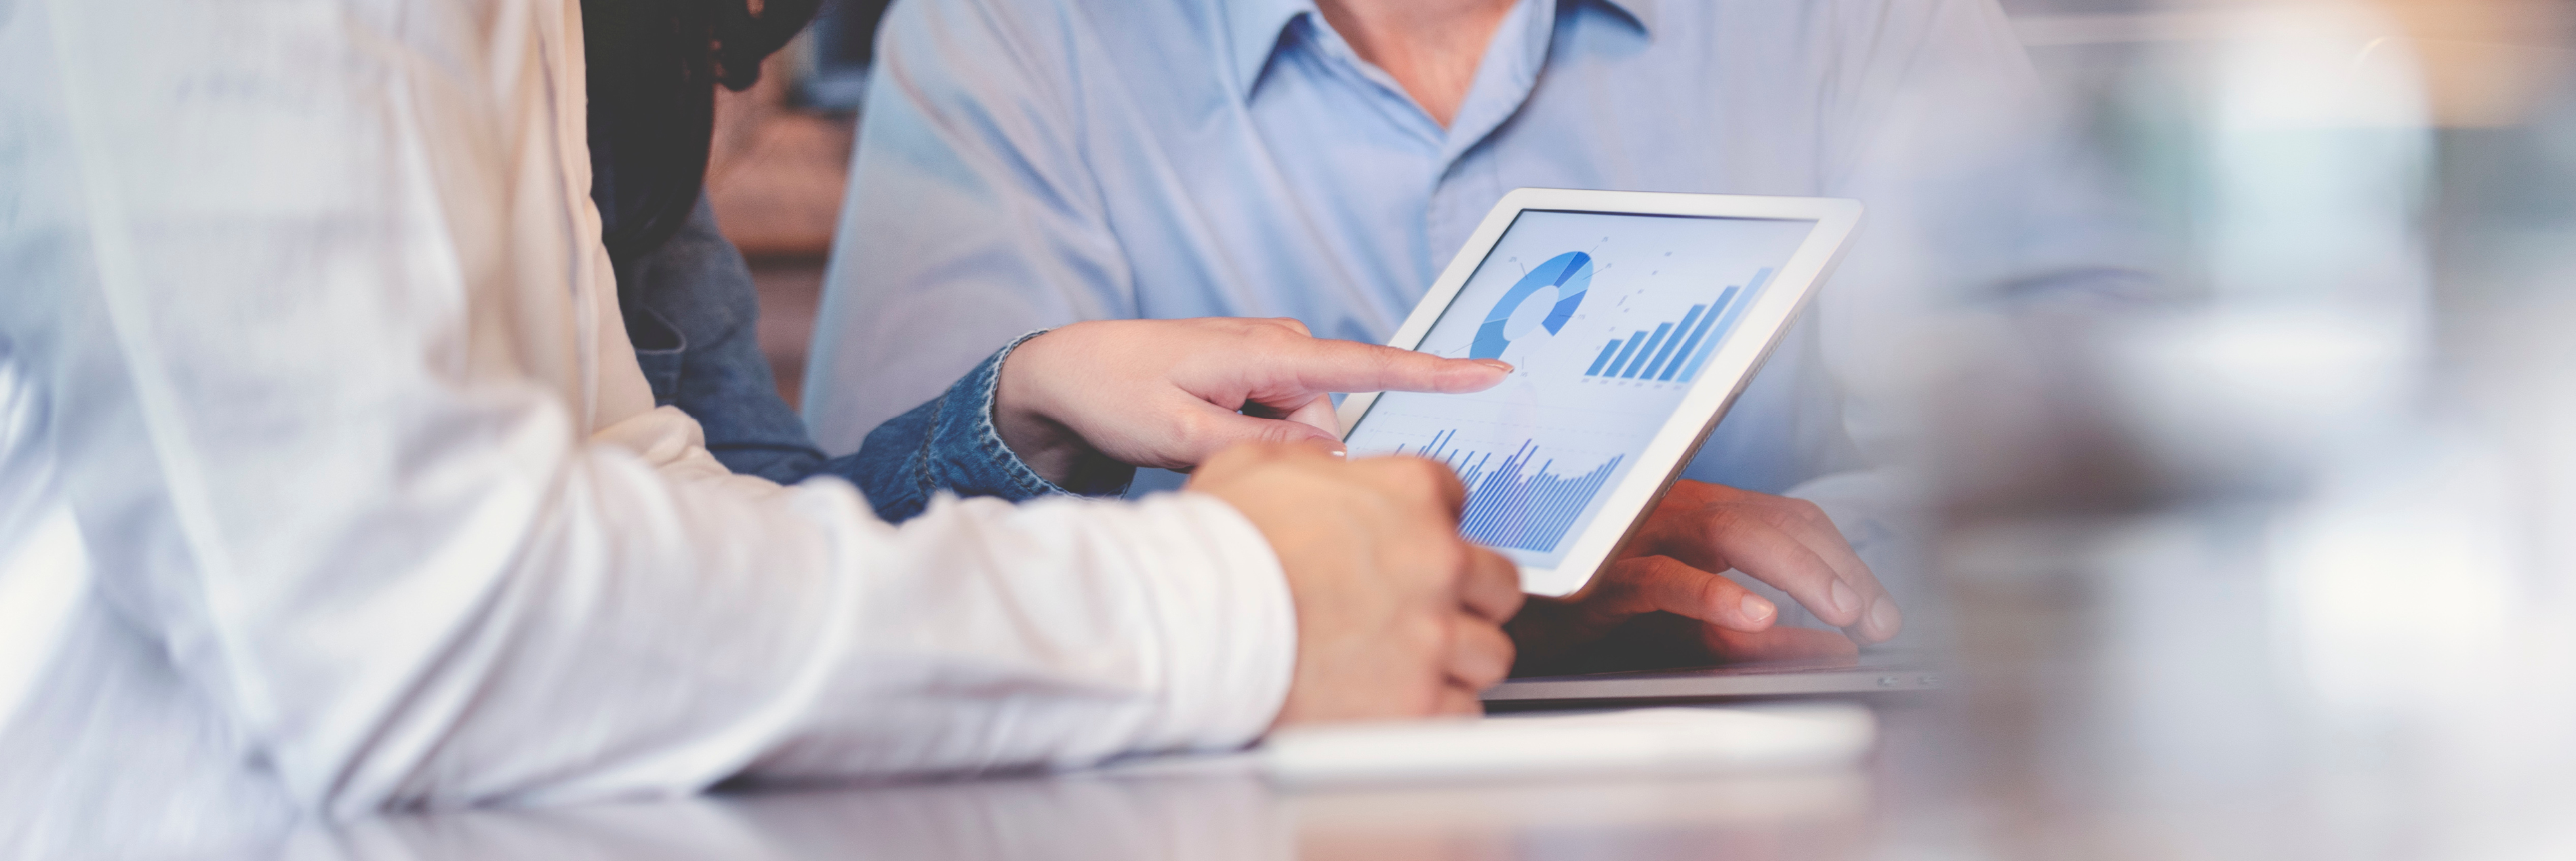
(779, 163)
(2279, 564)
(2281, 567)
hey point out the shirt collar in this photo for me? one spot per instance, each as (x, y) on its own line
(1639, 12)
(1254, 29)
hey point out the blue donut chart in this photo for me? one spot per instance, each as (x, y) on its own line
(1570, 273)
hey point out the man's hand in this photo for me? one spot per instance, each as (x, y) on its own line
(1671, 567)
(1396, 615)
(1166, 393)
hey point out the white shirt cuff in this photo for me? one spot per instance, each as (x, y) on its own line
(1228, 625)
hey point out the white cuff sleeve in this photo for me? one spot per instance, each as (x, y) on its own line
(1227, 621)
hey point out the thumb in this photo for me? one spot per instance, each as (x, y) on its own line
(1318, 413)
(1226, 430)
(1186, 431)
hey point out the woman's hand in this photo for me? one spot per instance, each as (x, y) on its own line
(1397, 616)
(1171, 393)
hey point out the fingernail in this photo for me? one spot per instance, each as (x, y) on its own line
(1496, 364)
(1845, 600)
(1339, 451)
(1756, 609)
(1884, 620)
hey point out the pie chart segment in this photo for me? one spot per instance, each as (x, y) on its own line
(1570, 273)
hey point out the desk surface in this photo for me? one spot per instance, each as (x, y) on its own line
(1830, 814)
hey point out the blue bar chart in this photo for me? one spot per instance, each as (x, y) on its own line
(1511, 505)
(1674, 351)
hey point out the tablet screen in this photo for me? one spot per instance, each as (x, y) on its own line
(1609, 319)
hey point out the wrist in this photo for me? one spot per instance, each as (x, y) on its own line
(1022, 417)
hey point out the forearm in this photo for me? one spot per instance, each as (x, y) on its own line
(651, 625)
(819, 644)
(662, 626)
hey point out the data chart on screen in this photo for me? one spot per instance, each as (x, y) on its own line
(1608, 319)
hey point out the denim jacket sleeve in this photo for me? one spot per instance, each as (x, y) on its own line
(950, 444)
(691, 308)
(694, 314)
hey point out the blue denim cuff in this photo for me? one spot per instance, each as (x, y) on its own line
(951, 444)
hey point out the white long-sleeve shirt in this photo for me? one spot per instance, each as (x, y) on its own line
(328, 482)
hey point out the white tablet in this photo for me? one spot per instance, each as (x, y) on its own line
(1633, 319)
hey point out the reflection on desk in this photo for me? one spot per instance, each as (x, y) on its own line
(1149, 818)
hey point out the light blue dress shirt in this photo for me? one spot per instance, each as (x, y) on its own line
(1029, 163)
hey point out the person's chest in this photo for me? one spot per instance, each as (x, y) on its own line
(1321, 192)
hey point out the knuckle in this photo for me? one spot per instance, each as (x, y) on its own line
(1385, 360)
(1431, 637)
(1445, 562)
(1193, 428)
(1419, 645)
(1244, 331)
(1504, 594)
(1722, 522)
(1496, 663)
(1280, 433)
(1809, 511)
(1713, 591)
(1279, 333)
(1631, 573)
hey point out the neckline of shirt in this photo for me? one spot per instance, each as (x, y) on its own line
(1256, 29)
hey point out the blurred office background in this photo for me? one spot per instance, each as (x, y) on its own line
(2282, 565)
(780, 161)
(2292, 574)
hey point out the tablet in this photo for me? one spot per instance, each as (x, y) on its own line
(1632, 320)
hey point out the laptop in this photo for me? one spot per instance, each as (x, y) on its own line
(1889, 675)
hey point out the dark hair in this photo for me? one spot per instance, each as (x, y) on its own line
(653, 69)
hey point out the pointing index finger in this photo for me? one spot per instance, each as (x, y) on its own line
(1350, 366)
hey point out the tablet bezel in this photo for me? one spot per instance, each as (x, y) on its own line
(1707, 400)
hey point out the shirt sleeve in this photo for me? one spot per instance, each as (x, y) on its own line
(313, 311)
(971, 216)
(950, 445)
(692, 311)
(693, 314)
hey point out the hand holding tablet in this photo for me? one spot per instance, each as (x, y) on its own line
(1666, 568)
